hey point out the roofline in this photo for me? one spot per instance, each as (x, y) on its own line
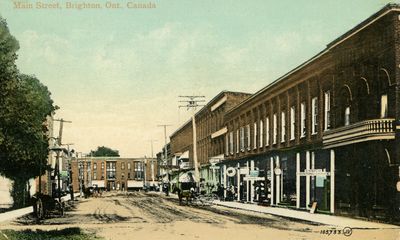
(205, 107)
(359, 27)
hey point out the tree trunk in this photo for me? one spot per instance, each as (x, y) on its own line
(19, 193)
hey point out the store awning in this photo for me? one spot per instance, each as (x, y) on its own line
(187, 177)
(185, 155)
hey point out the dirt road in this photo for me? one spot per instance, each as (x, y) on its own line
(151, 216)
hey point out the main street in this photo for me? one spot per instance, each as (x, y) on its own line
(142, 215)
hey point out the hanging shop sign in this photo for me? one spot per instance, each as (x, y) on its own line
(230, 171)
(244, 171)
(254, 173)
(314, 172)
(277, 171)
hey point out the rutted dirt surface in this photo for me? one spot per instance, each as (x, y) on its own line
(151, 216)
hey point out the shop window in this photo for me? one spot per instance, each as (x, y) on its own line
(129, 166)
(384, 106)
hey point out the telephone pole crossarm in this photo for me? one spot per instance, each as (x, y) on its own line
(193, 102)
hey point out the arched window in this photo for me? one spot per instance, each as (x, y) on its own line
(363, 99)
(345, 105)
(347, 116)
(384, 106)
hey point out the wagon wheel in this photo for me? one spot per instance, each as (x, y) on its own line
(39, 209)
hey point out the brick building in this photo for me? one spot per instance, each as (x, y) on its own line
(210, 129)
(114, 173)
(327, 131)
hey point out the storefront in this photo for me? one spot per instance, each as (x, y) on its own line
(244, 180)
(302, 179)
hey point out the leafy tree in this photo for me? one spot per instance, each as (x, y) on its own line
(25, 104)
(104, 152)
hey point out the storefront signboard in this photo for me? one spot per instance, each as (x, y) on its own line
(249, 178)
(314, 172)
(214, 167)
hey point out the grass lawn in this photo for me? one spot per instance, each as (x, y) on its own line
(68, 233)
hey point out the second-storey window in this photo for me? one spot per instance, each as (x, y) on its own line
(283, 126)
(314, 115)
(303, 119)
(327, 110)
(255, 135)
(274, 129)
(347, 116)
(267, 131)
(237, 141)
(242, 139)
(384, 106)
(226, 144)
(231, 142)
(261, 133)
(292, 122)
(248, 140)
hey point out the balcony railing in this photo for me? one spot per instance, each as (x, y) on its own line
(368, 130)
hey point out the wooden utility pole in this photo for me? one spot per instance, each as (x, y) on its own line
(165, 144)
(62, 121)
(192, 102)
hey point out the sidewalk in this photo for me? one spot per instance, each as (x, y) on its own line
(10, 215)
(306, 216)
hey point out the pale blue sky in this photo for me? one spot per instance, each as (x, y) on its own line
(117, 74)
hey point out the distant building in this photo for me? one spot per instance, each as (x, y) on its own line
(114, 173)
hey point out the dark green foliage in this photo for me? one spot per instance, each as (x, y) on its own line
(25, 104)
(104, 152)
(68, 233)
